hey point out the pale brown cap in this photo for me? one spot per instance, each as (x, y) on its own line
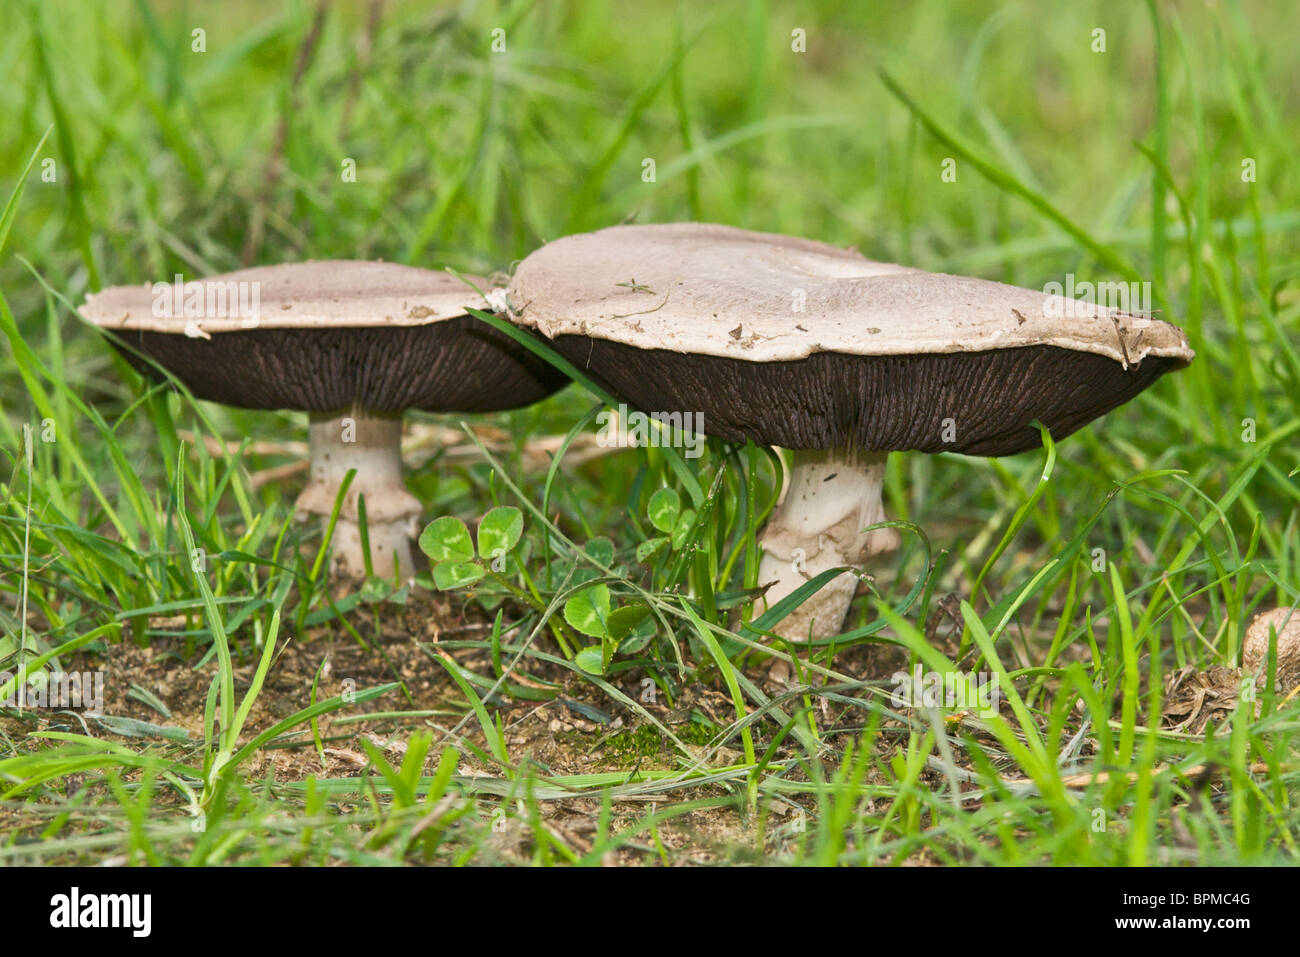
(800, 344)
(1286, 623)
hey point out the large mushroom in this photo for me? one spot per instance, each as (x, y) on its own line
(805, 346)
(352, 343)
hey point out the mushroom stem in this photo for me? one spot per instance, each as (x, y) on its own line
(831, 498)
(371, 443)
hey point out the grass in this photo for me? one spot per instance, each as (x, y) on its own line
(1082, 576)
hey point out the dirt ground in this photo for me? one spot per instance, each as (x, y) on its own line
(552, 719)
(579, 730)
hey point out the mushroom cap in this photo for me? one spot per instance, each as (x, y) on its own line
(325, 335)
(319, 294)
(1286, 622)
(796, 343)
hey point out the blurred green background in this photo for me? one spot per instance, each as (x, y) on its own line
(1167, 156)
(1125, 163)
(478, 131)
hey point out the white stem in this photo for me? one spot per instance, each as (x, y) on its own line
(832, 496)
(371, 444)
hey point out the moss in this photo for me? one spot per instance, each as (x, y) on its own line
(696, 732)
(635, 744)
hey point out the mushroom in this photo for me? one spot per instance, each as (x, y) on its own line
(1286, 623)
(352, 343)
(805, 346)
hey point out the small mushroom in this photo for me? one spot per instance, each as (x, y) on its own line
(1285, 622)
(812, 348)
(352, 343)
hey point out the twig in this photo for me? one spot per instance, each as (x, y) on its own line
(365, 46)
(274, 162)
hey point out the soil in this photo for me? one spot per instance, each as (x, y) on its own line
(579, 730)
